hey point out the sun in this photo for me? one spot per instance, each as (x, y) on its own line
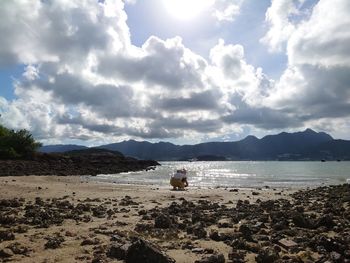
(187, 9)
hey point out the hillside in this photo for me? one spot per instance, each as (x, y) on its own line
(305, 145)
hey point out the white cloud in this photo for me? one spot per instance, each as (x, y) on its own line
(31, 72)
(315, 85)
(227, 10)
(84, 79)
(45, 31)
(281, 28)
(324, 39)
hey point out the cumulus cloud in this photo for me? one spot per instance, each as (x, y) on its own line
(227, 10)
(315, 84)
(46, 31)
(324, 39)
(162, 63)
(84, 80)
(281, 27)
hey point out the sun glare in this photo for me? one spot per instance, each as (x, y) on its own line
(187, 9)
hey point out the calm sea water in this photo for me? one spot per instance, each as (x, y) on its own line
(241, 174)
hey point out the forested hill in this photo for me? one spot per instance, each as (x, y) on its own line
(305, 145)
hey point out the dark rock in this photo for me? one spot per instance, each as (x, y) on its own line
(99, 211)
(39, 201)
(253, 247)
(84, 162)
(197, 250)
(118, 251)
(239, 244)
(7, 219)
(142, 212)
(246, 232)
(162, 221)
(127, 201)
(5, 203)
(336, 257)
(140, 227)
(219, 258)
(143, 251)
(90, 241)
(187, 245)
(21, 229)
(277, 248)
(225, 225)
(267, 256)
(6, 253)
(6, 235)
(326, 220)
(236, 256)
(83, 207)
(214, 235)
(278, 226)
(199, 231)
(18, 248)
(54, 242)
(300, 220)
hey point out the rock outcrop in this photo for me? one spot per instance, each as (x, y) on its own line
(83, 162)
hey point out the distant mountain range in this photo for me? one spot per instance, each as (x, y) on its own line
(305, 145)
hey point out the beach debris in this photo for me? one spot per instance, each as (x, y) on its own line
(287, 243)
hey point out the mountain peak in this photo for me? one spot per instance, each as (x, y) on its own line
(250, 138)
(324, 135)
(308, 130)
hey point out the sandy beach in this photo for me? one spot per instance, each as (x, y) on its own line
(72, 219)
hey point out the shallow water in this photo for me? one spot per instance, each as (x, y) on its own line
(241, 174)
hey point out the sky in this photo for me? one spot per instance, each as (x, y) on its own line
(93, 72)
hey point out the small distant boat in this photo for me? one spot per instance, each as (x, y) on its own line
(323, 160)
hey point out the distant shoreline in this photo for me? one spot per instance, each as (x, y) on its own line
(85, 162)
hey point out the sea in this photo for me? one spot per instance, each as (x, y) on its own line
(242, 174)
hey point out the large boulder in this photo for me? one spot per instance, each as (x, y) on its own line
(142, 251)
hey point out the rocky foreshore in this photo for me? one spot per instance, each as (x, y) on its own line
(89, 162)
(311, 225)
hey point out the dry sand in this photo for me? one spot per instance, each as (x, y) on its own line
(75, 189)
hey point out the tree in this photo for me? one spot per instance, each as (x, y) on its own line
(16, 144)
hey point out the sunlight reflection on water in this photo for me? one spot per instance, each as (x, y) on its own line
(240, 174)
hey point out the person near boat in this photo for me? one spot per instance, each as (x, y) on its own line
(179, 179)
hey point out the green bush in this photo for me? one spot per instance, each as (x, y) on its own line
(16, 144)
